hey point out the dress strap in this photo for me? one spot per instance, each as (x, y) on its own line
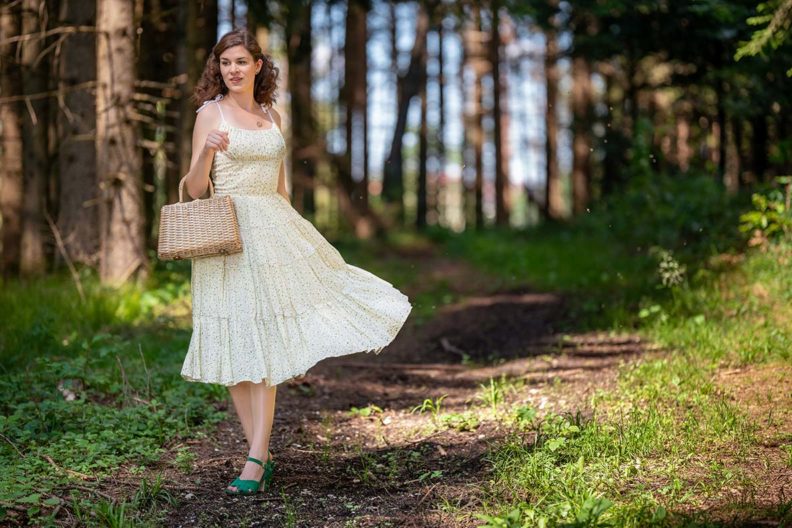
(221, 111)
(268, 113)
(215, 100)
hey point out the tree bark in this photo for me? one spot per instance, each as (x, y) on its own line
(478, 122)
(423, 146)
(77, 212)
(723, 127)
(732, 169)
(121, 219)
(355, 97)
(474, 58)
(407, 88)
(581, 149)
(440, 137)
(304, 144)
(682, 151)
(553, 206)
(499, 139)
(11, 187)
(200, 21)
(160, 33)
(35, 146)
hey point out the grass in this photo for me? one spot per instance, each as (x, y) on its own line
(117, 355)
(668, 441)
(90, 388)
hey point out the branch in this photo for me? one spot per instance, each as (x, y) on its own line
(43, 95)
(65, 254)
(50, 32)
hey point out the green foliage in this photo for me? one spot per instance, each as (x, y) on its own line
(493, 393)
(669, 270)
(466, 421)
(365, 411)
(431, 406)
(771, 215)
(98, 389)
(691, 215)
(661, 257)
(391, 467)
(776, 18)
(524, 416)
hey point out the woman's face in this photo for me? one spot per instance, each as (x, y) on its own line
(239, 69)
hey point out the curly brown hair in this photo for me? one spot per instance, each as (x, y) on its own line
(211, 82)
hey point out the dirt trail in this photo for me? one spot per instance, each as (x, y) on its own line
(392, 468)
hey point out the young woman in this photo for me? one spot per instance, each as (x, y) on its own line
(289, 300)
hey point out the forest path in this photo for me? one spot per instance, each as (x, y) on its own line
(396, 467)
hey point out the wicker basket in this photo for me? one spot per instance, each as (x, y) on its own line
(200, 228)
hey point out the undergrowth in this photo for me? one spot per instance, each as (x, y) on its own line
(665, 259)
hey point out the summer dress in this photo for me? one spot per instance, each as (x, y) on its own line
(289, 299)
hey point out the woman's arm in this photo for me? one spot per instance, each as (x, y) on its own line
(206, 141)
(282, 173)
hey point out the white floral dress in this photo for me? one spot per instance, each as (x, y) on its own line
(289, 299)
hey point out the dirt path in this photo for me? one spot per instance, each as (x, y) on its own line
(393, 468)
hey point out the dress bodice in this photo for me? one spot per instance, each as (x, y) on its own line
(251, 164)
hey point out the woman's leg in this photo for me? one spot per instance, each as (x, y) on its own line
(240, 394)
(262, 400)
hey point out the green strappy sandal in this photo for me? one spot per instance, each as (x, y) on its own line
(249, 487)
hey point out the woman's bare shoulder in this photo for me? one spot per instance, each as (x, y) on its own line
(208, 115)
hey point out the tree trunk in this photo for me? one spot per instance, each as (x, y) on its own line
(440, 137)
(478, 122)
(682, 151)
(200, 21)
(355, 98)
(581, 143)
(423, 145)
(553, 207)
(723, 127)
(498, 137)
(759, 137)
(35, 146)
(732, 169)
(474, 58)
(612, 162)
(305, 156)
(11, 187)
(122, 242)
(407, 88)
(78, 216)
(160, 33)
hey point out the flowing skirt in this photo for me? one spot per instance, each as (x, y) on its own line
(286, 302)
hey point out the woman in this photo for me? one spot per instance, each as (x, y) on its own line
(267, 314)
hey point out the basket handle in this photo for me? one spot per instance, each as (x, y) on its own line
(181, 187)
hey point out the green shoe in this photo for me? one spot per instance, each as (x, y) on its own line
(249, 487)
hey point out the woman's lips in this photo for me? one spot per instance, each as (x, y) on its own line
(236, 80)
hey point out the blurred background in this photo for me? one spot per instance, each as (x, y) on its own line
(399, 115)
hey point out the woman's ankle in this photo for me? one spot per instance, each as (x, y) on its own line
(263, 456)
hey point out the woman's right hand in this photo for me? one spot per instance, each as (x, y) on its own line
(216, 140)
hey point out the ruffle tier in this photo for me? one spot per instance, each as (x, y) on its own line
(285, 303)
